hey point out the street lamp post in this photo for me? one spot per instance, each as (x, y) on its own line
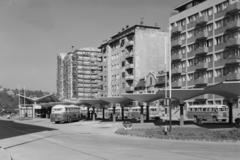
(170, 77)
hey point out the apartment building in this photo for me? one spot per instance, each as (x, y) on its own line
(78, 71)
(205, 40)
(130, 55)
(60, 58)
(85, 73)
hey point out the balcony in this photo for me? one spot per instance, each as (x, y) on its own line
(191, 24)
(233, 7)
(202, 50)
(129, 55)
(201, 81)
(130, 89)
(176, 29)
(202, 20)
(220, 79)
(129, 43)
(202, 66)
(176, 43)
(191, 54)
(177, 70)
(233, 76)
(191, 68)
(233, 25)
(233, 42)
(233, 60)
(129, 66)
(129, 77)
(177, 84)
(202, 35)
(176, 57)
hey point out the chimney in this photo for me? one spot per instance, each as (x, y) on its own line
(141, 23)
(127, 27)
(123, 29)
(72, 48)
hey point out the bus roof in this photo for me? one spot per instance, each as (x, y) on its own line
(207, 106)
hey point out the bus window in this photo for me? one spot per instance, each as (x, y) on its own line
(204, 109)
(195, 109)
(199, 109)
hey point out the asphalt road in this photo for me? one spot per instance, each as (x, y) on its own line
(86, 140)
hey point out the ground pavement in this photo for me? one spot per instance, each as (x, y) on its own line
(39, 139)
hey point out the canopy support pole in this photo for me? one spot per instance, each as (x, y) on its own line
(181, 114)
(114, 115)
(147, 113)
(88, 113)
(103, 113)
(122, 113)
(141, 110)
(93, 114)
(230, 110)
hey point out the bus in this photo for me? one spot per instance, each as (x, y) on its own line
(65, 113)
(118, 112)
(207, 113)
(155, 112)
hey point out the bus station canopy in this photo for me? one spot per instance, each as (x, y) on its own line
(53, 98)
(116, 100)
(183, 94)
(144, 97)
(227, 89)
(93, 101)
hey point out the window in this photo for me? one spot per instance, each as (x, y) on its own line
(191, 48)
(123, 74)
(123, 85)
(218, 72)
(219, 56)
(190, 33)
(221, 6)
(123, 63)
(122, 42)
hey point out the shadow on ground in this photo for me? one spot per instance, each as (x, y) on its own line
(9, 129)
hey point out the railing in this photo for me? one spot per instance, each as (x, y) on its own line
(233, 7)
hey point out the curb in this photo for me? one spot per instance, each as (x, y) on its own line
(4, 155)
(183, 139)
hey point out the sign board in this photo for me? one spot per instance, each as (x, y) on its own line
(166, 101)
(127, 124)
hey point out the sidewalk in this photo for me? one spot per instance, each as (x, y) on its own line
(4, 154)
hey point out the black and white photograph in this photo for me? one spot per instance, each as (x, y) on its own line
(119, 79)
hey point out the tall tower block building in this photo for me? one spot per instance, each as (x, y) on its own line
(205, 40)
(60, 58)
(77, 76)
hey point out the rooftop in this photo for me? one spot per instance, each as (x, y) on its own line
(187, 4)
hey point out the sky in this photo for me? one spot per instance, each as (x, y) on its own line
(33, 32)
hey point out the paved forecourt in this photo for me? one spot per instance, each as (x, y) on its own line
(39, 139)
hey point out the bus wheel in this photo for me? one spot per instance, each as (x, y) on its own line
(214, 119)
(195, 119)
(69, 119)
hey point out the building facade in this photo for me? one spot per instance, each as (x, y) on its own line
(77, 76)
(130, 55)
(60, 58)
(205, 40)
